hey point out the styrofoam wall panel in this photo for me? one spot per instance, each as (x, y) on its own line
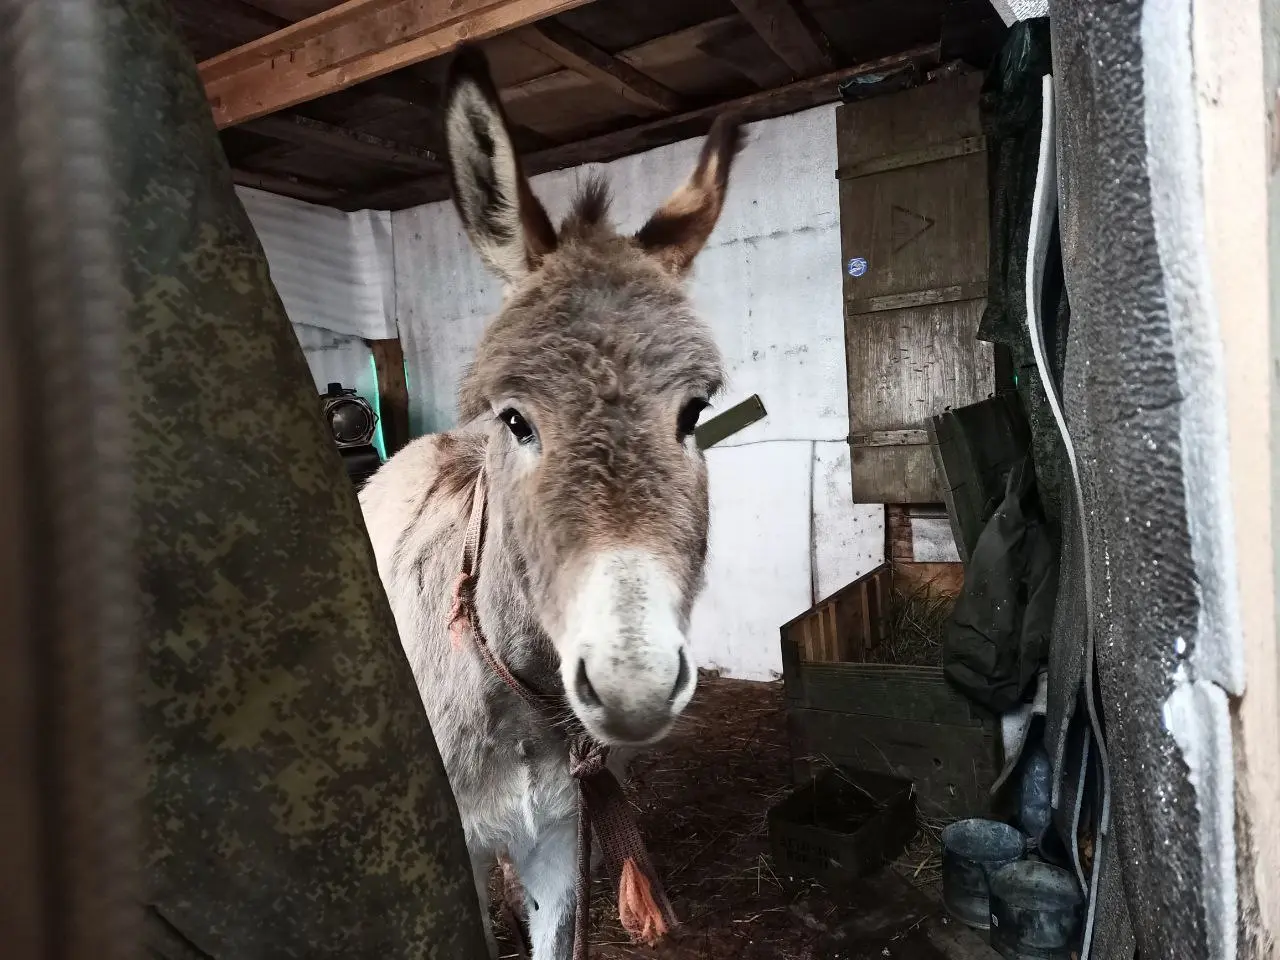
(444, 297)
(1011, 11)
(338, 358)
(758, 572)
(848, 537)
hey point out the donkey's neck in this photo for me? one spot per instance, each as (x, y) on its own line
(506, 610)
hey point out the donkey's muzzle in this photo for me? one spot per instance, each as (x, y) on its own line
(639, 715)
(625, 658)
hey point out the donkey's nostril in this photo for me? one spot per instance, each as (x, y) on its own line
(582, 686)
(682, 678)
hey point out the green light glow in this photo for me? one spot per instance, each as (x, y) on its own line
(374, 401)
(378, 442)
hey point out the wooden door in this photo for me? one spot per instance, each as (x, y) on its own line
(913, 224)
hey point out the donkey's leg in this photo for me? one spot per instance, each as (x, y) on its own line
(482, 863)
(549, 874)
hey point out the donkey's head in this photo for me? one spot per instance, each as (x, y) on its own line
(592, 378)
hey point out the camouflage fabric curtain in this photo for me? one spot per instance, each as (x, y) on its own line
(295, 802)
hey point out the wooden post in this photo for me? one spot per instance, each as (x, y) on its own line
(393, 393)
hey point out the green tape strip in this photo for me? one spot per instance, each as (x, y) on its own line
(725, 425)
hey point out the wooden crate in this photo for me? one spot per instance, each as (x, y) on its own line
(845, 626)
(906, 721)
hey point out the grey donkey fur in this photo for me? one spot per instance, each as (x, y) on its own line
(580, 407)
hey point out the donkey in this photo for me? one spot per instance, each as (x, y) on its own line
(579, 408)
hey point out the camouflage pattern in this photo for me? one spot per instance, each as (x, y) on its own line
(296, 802)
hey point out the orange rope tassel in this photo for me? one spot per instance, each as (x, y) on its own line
(637, 909)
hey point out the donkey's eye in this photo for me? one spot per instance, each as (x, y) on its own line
(518, 425)
(688, 421)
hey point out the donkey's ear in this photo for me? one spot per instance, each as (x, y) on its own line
(506, 223)
(681, 226)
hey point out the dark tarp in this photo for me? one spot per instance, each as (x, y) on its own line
(998, 636)
(296, 805)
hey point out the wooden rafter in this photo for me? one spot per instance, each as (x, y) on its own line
(791, 35)
(582, 56)
(351, 43)
(688, 39)
(303, 131)
(800, 95)
(405, 86)
(295, 187)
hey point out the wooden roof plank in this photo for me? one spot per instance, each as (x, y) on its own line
(671, 46)
(404, 86)
(740, 49)
(580, 55)
(762, 105)
(797, 41)
(355, 41)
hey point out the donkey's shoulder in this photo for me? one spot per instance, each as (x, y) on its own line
(449, 461)
(429, 476)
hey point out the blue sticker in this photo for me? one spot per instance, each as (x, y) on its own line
(857, 267)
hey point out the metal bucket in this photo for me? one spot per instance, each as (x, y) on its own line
(1035, 911)
(971, 851)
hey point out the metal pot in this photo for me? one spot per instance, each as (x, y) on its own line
(1035, 911)
(971, 850)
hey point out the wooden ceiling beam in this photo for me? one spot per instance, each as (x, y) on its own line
(303, 131)
(580, 55)
(294, 187)
(801, 95)
(790, 34)
(353, 42)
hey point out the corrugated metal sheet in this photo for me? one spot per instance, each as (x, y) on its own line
(338, 358)
(333, 270)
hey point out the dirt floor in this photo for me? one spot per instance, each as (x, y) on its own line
(702, 800)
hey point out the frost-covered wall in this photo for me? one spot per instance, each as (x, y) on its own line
(784, 527)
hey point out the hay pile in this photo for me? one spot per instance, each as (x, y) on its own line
(917, 625)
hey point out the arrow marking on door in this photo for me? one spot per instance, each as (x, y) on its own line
(907, 226)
